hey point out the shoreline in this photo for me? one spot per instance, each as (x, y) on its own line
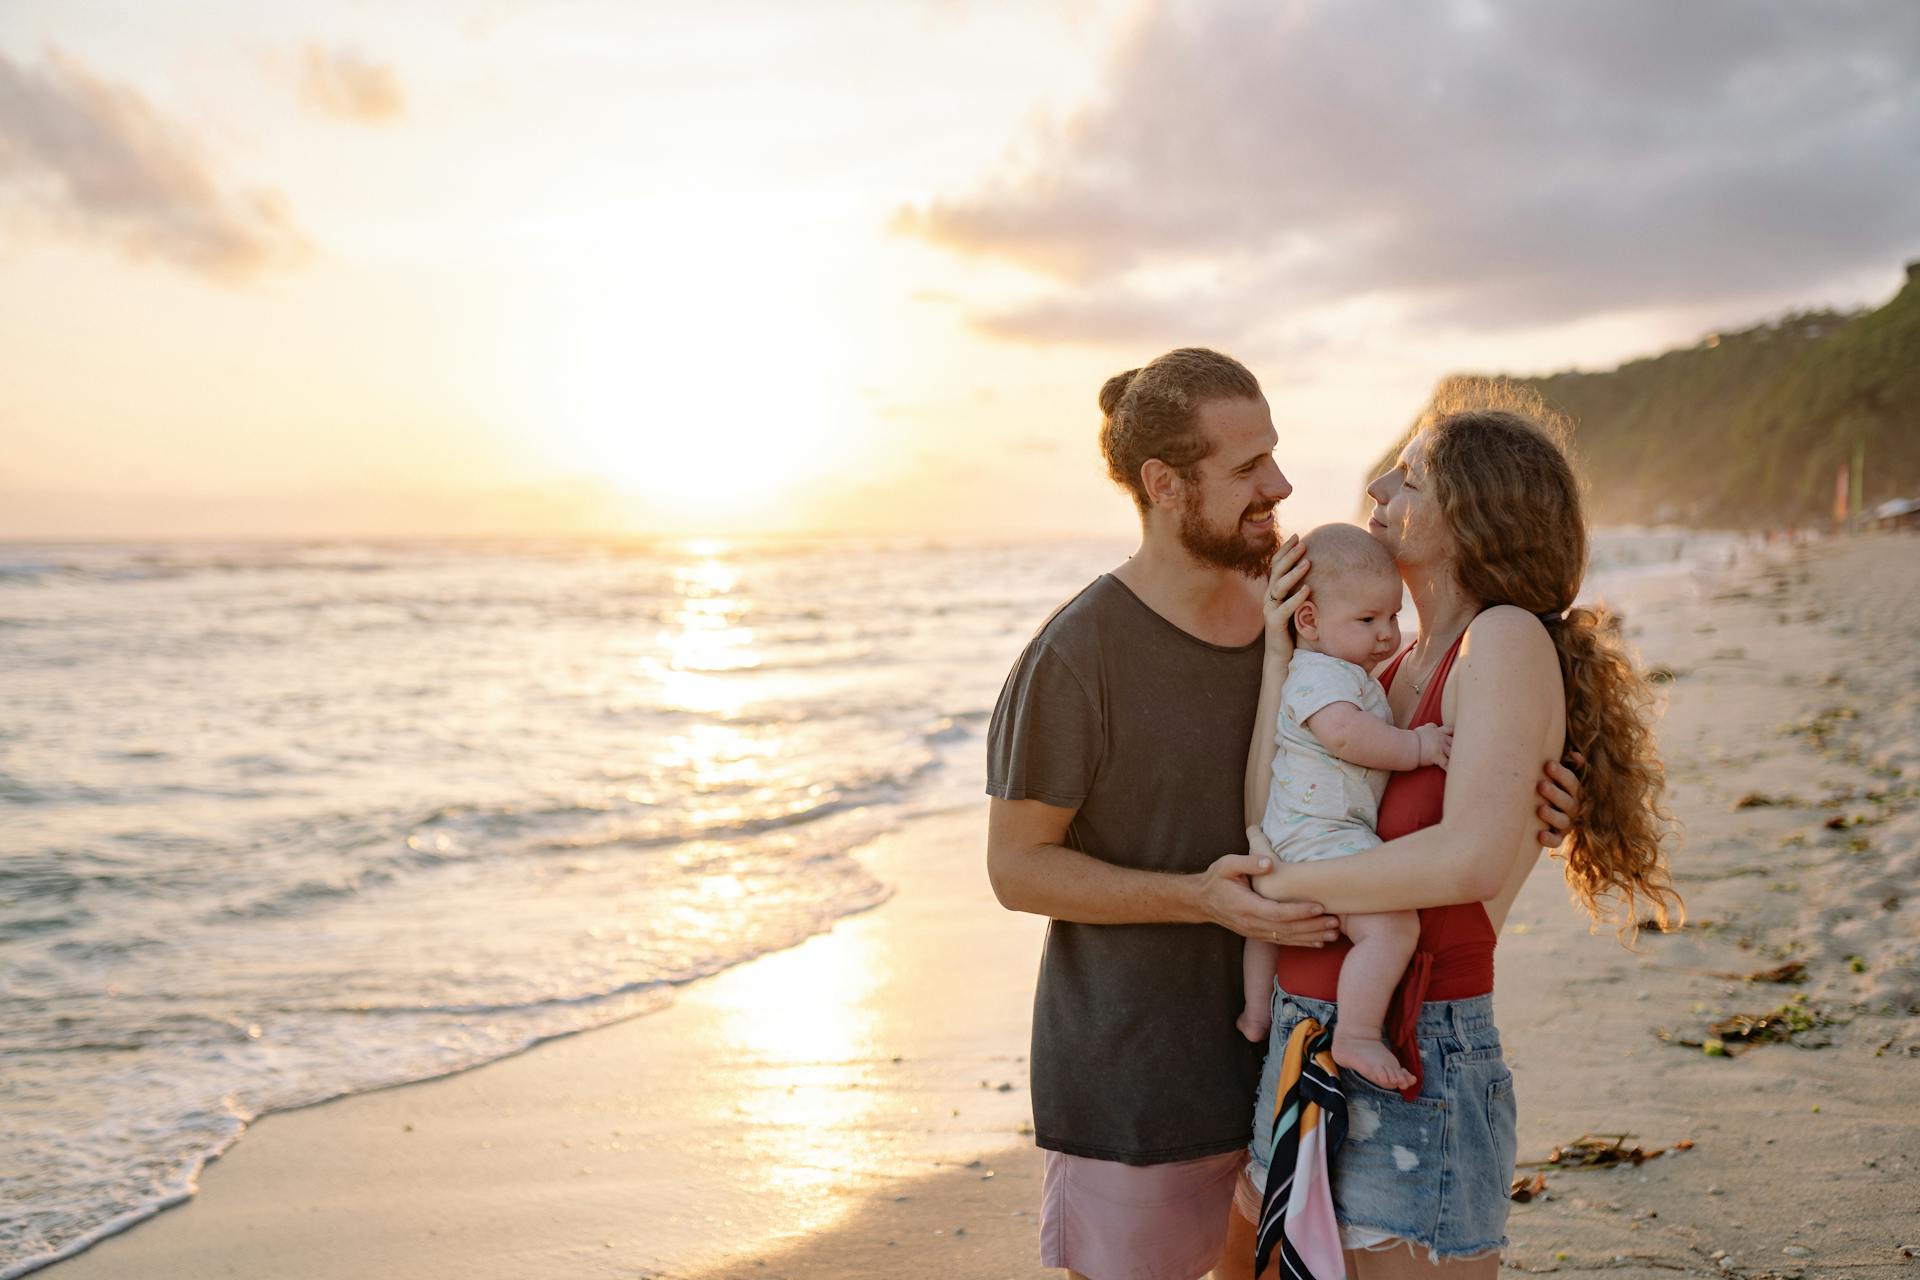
(796, 1115)
(762, 1106)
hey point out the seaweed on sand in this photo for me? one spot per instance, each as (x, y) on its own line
(1601, 1151)
(1793, 1023)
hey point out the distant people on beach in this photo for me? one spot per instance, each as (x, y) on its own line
(1118, 763)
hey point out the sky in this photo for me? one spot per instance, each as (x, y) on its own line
(450, 268)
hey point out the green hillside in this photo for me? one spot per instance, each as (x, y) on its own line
(1747, 429)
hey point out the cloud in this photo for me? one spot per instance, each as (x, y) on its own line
(343, 84)
(1117, 311)
(92, 159)
(1487, 163)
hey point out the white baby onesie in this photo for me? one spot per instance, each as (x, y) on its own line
(1320, 806)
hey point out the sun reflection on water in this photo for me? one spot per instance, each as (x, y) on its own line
(801, 1039)
(704, 641)
(716, 757)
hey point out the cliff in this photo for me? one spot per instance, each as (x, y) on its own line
(1746, 429)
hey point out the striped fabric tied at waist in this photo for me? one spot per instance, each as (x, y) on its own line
(1309, 1124)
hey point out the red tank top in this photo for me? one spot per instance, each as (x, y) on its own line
(1454, 957)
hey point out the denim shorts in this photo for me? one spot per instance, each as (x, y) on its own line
(1433, 1172)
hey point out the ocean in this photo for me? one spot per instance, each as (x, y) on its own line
(281, 822)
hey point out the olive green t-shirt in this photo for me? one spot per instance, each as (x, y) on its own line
(1116, 712)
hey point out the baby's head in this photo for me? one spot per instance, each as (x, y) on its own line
(1353, 610)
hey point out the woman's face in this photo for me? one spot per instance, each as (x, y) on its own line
(1406, 517)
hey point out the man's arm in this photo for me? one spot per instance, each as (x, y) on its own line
(1266, 728)
(1561, 791)
(1285, 591)
(1032, 870)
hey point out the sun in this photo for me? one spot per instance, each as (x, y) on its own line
(705, 436)
(702, 381)
(697, 457)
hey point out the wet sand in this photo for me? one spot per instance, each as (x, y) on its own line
(785, 1100)
(838, 1110)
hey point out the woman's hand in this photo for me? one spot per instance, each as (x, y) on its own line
(1286, 589)
(1561, 790)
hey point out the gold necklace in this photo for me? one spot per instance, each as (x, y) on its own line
(1421, 683)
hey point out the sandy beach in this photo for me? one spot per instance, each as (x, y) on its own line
(857, 1105)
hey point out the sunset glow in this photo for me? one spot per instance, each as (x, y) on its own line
(337, 271)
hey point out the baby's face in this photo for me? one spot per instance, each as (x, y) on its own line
(1357, 618)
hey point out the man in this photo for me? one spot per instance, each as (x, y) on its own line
(1116, 761)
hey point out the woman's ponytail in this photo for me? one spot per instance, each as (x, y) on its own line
(1615, 865)
(1509, 495)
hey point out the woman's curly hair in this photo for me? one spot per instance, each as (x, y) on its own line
(1497, 459)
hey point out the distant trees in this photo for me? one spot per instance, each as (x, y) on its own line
(1747, 429)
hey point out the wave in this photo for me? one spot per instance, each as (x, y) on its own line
(957, 727)
(590, 835)
(117, 1188)
(28, 571)
(300, 897)
(799, 816)
(475, 833)
(14, 791)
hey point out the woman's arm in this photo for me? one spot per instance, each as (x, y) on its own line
(1508, 698)
(1284, 594)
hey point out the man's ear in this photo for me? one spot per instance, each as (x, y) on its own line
(1161, 482)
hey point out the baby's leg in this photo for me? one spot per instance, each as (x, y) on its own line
(1383, 941)
(1256, 964)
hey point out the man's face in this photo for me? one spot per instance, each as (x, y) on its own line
(1227, 510)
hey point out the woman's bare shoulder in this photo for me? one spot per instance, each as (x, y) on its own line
(1508, 638)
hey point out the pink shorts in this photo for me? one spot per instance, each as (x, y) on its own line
(1113, 1221)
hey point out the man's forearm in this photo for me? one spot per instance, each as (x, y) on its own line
(1064, 884)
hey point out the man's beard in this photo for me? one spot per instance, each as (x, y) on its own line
(1230, 550)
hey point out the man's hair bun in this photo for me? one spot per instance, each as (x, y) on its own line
(1113, 389)
(1152, 412)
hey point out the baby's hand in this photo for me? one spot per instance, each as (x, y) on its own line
(1436, 744)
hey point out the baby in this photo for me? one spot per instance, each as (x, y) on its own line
(1336, 744)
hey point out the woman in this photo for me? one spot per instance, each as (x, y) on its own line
(1482, 514)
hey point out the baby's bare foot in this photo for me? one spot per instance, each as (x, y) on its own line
(1254, 1023)
(1372, 1059)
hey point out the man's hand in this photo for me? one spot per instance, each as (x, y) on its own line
(1228, 900)
(1561, 790)
(1285, 591)
(1436, 744)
